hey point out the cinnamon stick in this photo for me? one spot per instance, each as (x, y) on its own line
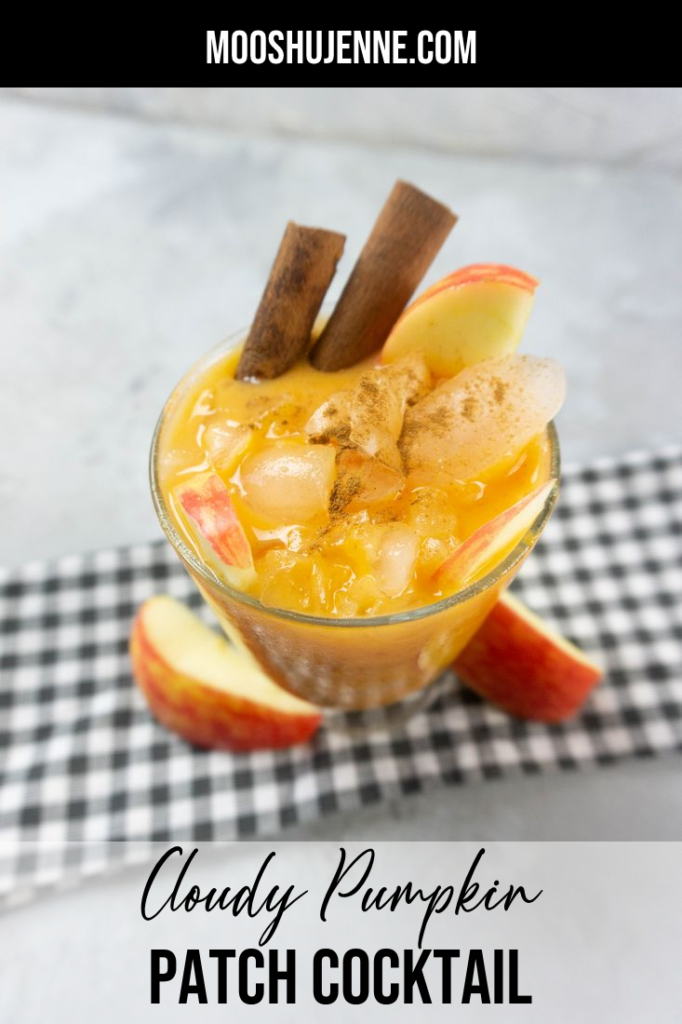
(408, 233)
(299, 278)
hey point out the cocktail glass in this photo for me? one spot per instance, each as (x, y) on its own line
(363, 671)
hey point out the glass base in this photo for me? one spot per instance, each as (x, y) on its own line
(390, 717)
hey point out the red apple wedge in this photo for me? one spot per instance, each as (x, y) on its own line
(493, 540)
(476, 313)
(202, 688)
(517, 662)
(212, 518)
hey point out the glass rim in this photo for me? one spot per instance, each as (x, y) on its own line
(187, 555)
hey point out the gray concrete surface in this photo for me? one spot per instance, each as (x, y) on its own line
(632, 127)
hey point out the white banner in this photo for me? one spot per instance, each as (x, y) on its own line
(546, 932)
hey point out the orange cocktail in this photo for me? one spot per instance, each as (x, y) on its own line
(351, 496)
(351, 595)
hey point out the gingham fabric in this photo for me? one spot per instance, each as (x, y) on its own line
(83, 761)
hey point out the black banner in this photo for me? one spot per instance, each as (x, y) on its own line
(205, 48)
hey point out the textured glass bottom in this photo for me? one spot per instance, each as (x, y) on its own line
(389, 717)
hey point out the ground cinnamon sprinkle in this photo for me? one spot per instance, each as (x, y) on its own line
(408, 434)
(345, 489)
(469, 409)
(499, 390)
(440, 419)
(340, 434)
(437, 421)
(260, 401)
(369, 386)
(372, 401)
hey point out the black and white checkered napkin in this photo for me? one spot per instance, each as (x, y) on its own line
(82, 760)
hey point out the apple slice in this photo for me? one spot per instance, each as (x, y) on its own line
(476, 313)
(216, 529)
(492, 540)
(516, 661)
(202, 688)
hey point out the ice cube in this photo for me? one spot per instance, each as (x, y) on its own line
(394, 568)
(359, 598)
(480, 418)
(376, 418)
(369, 417)
(378, 407)
(288, 482)
(181, 462)
(410, 377)
(285, 580)
(435, 523)
(225, 442)
(364, 483)
(331, 421)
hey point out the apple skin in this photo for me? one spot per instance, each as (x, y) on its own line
(518, 663)
(201, 688)
(477, 272)
(494, 538)
(478, 312)
(211, 515)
